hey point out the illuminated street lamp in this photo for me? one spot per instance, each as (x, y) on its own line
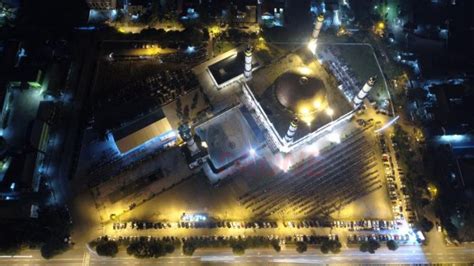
(334, 137)
(329, 112)
(317, 104)
(313, 149)
(252, 152)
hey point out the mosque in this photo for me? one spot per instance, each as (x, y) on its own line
(285, 104)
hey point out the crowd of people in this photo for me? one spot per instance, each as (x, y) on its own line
(316, 187)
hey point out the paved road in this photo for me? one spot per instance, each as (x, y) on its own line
(407, 254)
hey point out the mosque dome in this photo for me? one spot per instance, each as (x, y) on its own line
(298, 92)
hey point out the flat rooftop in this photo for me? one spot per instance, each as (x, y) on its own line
(141, 130)
(230, 136)
(229, 68)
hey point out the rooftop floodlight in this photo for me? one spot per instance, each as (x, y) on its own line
(252, 152)
(329, 111)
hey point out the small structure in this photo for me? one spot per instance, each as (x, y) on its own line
(143, 130)
(364, 91)
(231, 68)
(291, 130)
(102, 4)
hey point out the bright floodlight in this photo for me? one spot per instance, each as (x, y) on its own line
(329, 111)
(284, 164)
(312, 46)
(317, 104)
(334, 137)
(204, 144)
(304, 111)
(304, 70)
(313, 149)
(252, 152)
(190, 49)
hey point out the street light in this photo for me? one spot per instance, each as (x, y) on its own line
(330, 112)
(252, 152)
(313, 149)
(317, 104)
(334, 137)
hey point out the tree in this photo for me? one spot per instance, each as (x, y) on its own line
(169, 248)
(189, 248)
(301, 247)
(137, 249)
(361, 14)
(107, 248)
(53, 247)
(392, 245)
(369, 246)
(276, 246)
(142, 249)
(426, 225)
(364, 246)
(238, 249)
(195, 101)
(186, 113)
(179, 109)
(156, 249)
(324, 249)
(10, 242)
(331, 245)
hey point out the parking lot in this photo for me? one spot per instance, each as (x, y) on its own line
(402, 207)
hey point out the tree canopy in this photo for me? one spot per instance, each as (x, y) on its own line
(331, 245)
(107, 248)
(392, 245)
(301, 247)
(369, 246)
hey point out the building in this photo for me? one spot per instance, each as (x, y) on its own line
(452, 113)
(152, 128)
(247, 14)
(271, 13)
(138, 7)
(228, 70)
(102, 4)
(278, 92)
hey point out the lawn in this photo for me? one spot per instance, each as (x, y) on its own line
(362, 62)
(223, 46)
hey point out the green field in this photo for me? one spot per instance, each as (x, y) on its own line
(361, 60)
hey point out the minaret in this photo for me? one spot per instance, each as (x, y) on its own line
(259, 11)
(291, 130)
(317, 27)
(186, 135)
(364, 91)
(313, 41)
(248, 62)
